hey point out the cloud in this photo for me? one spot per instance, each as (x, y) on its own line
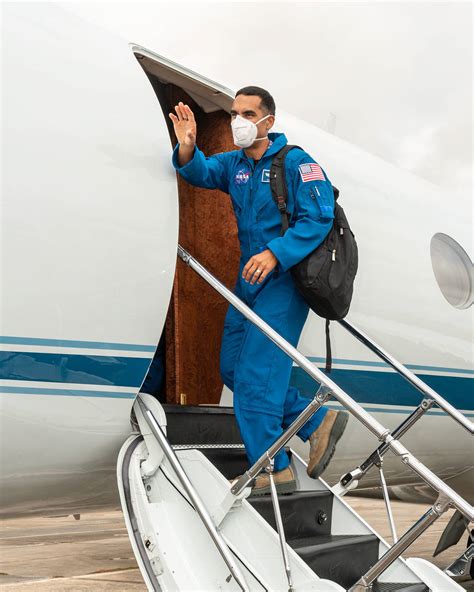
(392, 77)
(441, 153)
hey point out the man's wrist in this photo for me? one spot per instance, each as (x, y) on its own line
(185, 154)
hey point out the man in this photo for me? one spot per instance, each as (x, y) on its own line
(255, 369)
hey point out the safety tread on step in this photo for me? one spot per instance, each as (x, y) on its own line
(231, 462)
(327, 542)
(390, 587)
(201, 424)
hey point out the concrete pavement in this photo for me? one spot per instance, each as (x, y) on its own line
(94, 553)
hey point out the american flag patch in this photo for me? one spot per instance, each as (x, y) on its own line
(311, 172)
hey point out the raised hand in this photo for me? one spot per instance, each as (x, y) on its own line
(184, 125)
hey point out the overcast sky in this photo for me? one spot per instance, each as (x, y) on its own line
(392, 77)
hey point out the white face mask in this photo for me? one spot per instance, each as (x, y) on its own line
(245, 131)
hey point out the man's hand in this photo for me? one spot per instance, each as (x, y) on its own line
(259, 266)
(185, 130)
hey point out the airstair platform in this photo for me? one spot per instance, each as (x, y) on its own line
(331, 545)
(192, 529)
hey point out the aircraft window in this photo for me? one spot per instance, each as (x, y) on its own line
(453, 270)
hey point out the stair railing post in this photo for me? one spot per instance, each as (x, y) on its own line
(437, 510)
(279, 522)
(351, 480)
(462, 565)
(386, 497)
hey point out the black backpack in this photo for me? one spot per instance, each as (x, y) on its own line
(325, 277)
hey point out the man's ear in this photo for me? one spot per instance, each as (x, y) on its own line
(271, 121)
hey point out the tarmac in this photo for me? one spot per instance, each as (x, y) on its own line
(94, 553)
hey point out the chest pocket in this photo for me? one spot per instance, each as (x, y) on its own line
(264, 205)
(266, 209)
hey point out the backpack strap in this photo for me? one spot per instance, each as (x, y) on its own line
(278, 184)
(280, 195)
(328, 349)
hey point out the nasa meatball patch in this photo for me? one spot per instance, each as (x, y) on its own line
(242, 177)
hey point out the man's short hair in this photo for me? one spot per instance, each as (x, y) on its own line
(267, 101)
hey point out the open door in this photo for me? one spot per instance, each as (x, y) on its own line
(207, 228)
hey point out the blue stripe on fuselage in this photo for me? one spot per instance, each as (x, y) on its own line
(372, 364)
(61, 392)
(389, 388)
(365, 386)
(74, 343)
(71, 368)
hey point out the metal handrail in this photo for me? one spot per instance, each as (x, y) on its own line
(359, 412)
(364, 584)
(279, 524)
(351, 480)
(193, 495)
(409, 376)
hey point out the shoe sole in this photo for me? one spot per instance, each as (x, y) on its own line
(282, 489)
(334, 437)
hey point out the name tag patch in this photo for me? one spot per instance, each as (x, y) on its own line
(266, 176)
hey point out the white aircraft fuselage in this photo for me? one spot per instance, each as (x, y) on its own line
(89, 238)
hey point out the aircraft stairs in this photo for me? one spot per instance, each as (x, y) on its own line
(191, 530)
(318, 526)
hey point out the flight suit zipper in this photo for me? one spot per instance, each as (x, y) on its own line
(249, 205)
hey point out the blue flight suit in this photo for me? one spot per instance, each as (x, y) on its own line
(255, 369)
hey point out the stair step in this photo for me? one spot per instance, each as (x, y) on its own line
(304, 513)
(389, 587)
(231, 462)
(201, 425)
(340, 558)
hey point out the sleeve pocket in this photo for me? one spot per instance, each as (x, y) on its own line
(324, 198)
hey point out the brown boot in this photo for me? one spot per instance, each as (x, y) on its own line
(284, 482)
(323, 441)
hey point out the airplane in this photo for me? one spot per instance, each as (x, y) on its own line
(91, 220)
